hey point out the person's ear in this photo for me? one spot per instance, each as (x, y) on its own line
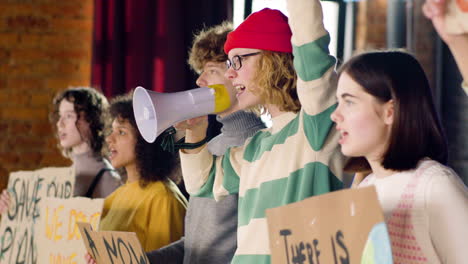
(389, 112)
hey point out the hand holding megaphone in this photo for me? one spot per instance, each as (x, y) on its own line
(155, 112)
(195, 132)
(192, 123)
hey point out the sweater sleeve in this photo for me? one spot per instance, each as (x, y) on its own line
(196, 169)
(164, 221)
(315, 67)
(210, 176)
(313, 63)
(316, 82)
(447, 203)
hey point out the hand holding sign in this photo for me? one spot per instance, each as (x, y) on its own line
(112, 246)
(26, 191)
(89, 259)
(4, 201)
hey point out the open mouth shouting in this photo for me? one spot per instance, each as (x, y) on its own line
(343, 136)
(62, 136)
(112, 153)
(240, 89)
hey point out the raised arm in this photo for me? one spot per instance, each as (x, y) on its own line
(435, 10)
(315, 67)
(313, 63)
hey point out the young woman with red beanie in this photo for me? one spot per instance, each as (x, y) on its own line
(298, 156)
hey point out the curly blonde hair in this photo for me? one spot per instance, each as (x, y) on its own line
(276, 78)
(208, 46)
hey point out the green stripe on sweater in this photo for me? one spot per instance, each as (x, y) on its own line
(231, 179)
(314, 179)
(264, 141)
(317, 127)
(207, 189)
(312, 60)
(251, 259)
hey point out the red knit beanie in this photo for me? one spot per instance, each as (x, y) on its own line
(266, 29)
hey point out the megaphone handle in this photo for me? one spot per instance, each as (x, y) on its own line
(180, 144)
(168, 144)
(167, 139)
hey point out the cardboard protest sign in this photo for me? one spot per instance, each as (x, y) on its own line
(58, 236)
(27, 191)
(456, 18)
(112, 246)
(335, 228)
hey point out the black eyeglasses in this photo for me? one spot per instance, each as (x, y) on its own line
(236, 61)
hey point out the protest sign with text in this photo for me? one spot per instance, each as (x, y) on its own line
(58, 237)
(112, 246)
(27, 190)
(343, 227)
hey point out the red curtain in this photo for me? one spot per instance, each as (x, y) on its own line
(145, 42)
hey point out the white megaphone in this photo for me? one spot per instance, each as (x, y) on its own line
(156, 112)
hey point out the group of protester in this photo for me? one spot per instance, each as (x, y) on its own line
(374, 118)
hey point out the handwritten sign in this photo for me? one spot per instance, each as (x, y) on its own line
(335, 228)
(58, 236)
(27, 191)
(456, 19)
(112, 246)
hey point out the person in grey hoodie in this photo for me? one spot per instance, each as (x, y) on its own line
(210, 226)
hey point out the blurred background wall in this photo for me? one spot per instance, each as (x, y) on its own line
(114, 45)
(44, 47)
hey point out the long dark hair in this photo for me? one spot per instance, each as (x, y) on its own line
(416, 132)
(152, 162)
(89, 104)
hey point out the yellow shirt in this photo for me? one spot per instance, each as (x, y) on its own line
(155, 213)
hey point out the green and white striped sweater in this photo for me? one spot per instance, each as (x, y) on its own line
(296, 158)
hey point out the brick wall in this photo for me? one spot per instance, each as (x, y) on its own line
(45, 46)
